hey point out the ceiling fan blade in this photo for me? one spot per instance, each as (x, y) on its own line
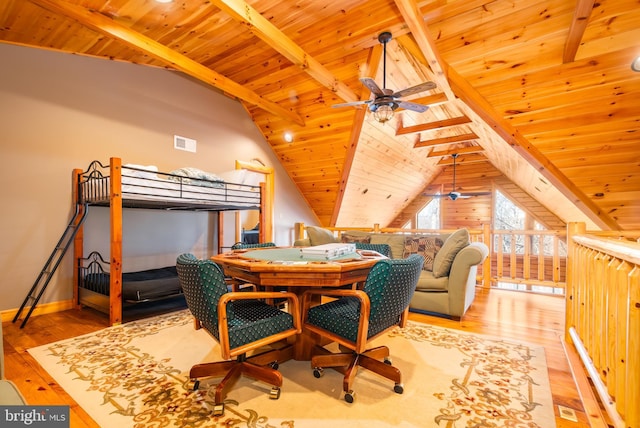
(420, 108)
(355, 103)
(372, 85)
(470, 194)
(425, 86)
(436, 195)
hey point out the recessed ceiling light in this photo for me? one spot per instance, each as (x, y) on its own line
(288, 137)
(635, 65)
(164, 1)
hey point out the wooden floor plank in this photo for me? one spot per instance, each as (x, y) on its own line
(534, 319)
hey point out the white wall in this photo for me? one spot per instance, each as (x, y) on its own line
(60, 111)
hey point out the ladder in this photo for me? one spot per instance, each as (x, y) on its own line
(52, 263)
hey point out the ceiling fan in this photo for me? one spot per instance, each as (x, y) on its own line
(453, 195)
(385, 101)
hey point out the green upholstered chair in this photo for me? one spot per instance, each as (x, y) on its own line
(243, 246)
(358, 316)
(238, 284)
(235, 284)
(383, 249)
(241, 323)
(9, 393)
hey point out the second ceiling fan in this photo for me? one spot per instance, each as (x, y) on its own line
(386, 100)
(453, 195)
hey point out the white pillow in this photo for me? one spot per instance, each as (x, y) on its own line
(237, 176)
(152, 169)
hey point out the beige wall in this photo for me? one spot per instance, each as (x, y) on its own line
(59, 112)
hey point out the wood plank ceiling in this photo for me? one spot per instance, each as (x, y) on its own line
(540, 92)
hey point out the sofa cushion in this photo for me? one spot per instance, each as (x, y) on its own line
(394, 240)
(444, 259)
(356, 236)
(319, 236)
(424, 245)
(428, 282)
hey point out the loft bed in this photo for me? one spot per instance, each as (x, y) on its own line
(103, 285)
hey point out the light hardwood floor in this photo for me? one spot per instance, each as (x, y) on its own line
(530, 318)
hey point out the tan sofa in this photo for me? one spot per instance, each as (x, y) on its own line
(447, 283)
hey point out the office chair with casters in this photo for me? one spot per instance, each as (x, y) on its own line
(238, 284)
(383, 249)
(358, 316)
(243, 246)
(241, 323)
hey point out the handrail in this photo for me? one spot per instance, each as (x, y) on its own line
(603, 316)
(540, 261)
(624, 250)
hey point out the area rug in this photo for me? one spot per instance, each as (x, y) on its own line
(136, 375)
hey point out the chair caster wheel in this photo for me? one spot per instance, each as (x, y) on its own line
(398, 388)
(274, 394)
(196, 385)
(349, 396)
(318, 372)
(274, 365)
(388, 361)
(218, 409)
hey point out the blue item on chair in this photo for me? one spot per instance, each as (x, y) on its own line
(358, 316)
(240, 322)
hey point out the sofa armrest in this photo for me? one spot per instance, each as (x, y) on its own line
(462, 277)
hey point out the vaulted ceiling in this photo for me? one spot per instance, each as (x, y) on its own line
(536, 93)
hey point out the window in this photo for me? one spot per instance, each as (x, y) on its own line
(429, 216)
(534, 250)
(508, 217)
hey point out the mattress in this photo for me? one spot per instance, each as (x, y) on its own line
(152, 186)
(139, 286)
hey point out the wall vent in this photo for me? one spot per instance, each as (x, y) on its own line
(183, 143)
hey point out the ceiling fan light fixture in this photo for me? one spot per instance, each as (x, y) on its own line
(383, 113)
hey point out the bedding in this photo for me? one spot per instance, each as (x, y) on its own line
(183, 187)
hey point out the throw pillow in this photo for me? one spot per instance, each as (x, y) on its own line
(444, 259)
(356, 236)
(319, 236)
(205, 179)
(425, 246)
(394, 240)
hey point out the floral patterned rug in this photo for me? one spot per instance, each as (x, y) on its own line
(136, 375)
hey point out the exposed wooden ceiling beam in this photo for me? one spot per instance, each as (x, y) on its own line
(270, 34)
(466, 159)
(439, 124)
(480, 106)
(429, 100)
(415, 21)
(576, 31)
(458, 150)
(98, 22)
(446, 140)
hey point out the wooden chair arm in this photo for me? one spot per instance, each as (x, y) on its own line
(292, 300)
(363, 321)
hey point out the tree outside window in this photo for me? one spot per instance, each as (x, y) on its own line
(429, 216)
